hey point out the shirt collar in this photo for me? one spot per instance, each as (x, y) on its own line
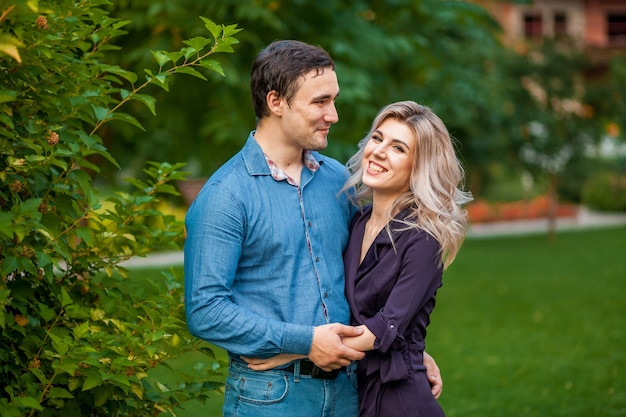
(279, 175)
(258, 164)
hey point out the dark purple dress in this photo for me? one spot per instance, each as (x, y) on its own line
(393, 294)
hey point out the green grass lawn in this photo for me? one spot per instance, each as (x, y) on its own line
(532, 326)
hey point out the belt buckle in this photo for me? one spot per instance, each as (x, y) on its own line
(319, 373)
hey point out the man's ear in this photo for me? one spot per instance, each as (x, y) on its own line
(274, 103)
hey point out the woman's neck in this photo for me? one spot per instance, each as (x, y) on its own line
(381, 209)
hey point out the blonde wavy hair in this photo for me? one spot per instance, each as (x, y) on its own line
(435, 197)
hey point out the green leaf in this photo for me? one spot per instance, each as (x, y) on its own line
(100, 112)
(161, 57)
(43, 259)
(213, 66)
(92, 381)
(27, 402)
(114, 69)
(198, 43)
(147, 100)
(6, 224)
(124, 117)
(86, 234)
(39, 375)
(60, 345)
(8, 264)
(7, 96)
(189, 52)
(65, 298)
(8, 122)
(57, 392)
(230, 30)
(168, 189)
(74, 383)
(46, 312)
(68, 366)
(225, 45)
(175, 56)
(212, 27)
(162, 79)
(81, 330)
(101, 396)
(191, 71)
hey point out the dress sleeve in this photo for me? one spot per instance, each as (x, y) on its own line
(215, 226)
(419, 277)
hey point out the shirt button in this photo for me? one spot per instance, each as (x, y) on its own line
(325, 295)
(309, 224)
(392, 327)
(317, 259)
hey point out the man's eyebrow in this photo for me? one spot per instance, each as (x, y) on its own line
(324, 97)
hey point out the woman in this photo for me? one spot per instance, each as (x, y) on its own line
(399, 246)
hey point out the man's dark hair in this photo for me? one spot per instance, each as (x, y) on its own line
(278, 67)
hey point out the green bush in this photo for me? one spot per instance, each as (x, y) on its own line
(605, 192)
(77, 337)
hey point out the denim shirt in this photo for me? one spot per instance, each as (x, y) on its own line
(263, 259)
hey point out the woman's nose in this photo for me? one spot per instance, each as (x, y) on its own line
(379, 150)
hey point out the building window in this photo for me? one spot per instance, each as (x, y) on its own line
(560, 24)
(616, 25)
(532, 25)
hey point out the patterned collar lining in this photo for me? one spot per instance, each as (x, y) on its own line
(279, 175)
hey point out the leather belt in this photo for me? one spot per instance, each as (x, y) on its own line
(308, 368)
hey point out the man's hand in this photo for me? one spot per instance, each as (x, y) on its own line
(434, 375)
(328, 352)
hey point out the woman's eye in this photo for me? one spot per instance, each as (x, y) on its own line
(377, 138)
(399, 148)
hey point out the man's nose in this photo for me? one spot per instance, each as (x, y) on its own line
(331, 114)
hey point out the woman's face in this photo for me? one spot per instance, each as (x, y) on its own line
(388, 158)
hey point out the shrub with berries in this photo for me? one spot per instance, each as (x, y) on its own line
(76, 336)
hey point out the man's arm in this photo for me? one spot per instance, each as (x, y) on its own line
(213, 247)
(327, 351)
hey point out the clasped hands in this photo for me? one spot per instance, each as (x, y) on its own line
(336, 345)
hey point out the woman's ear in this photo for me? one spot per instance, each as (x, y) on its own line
(274, 103)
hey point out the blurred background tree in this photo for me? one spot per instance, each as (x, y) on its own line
(444, 57)
(448, 55)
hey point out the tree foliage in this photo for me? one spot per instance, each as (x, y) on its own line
(76, 336)
(445, 54)
(440, 53)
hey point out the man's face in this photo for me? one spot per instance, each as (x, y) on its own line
(307, 120)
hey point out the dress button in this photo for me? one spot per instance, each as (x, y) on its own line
(392, 327)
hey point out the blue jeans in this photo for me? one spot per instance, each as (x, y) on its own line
(278, 393)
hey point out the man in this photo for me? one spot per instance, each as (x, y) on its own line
(265, 238)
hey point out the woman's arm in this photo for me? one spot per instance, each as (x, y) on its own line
(363, 342)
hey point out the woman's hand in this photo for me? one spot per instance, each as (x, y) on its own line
(257, 364)
(434, 375)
